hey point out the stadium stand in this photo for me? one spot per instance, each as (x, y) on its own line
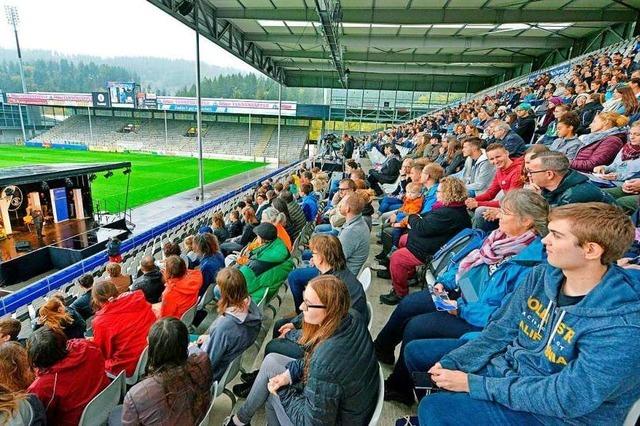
(553, 358)
(149, 135)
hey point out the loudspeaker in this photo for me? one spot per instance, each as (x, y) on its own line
(23, 245)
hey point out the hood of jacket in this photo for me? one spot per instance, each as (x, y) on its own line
(570, 180)
(76, 356)
(126, 303)
(188, 285)
(253, 316)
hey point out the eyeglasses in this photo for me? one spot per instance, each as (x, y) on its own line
(533, 172)
(306, 306)
(343, 189)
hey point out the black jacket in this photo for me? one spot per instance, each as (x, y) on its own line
(429, 232)
(234, 229)
(525, 128)
(576, 188)
(152, 285)
(347, 150)
(82, 305)
(389, 172)
(587, 115)
(342, 382)
(221, 234)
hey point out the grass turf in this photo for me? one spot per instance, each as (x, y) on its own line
(152, 176)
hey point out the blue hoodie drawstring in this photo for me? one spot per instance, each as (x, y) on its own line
(555, 327)
(546, 315)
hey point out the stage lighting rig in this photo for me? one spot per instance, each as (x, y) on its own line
(108, 174)
(126, 171)
(92, 177)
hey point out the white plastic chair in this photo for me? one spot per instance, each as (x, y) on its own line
(206, 298)
(206, 421)
(370, 309)
(388, 188)
(140, 367)
(633, 415)
(219, 388)
(188, 317)
(376, 413)
(97, 411)
(365, 278)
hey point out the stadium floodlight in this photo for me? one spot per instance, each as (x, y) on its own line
(13, 18)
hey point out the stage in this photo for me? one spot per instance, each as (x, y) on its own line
(62, 244)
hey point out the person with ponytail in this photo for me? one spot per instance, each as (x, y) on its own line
(176, 388)
(600, 147)
(336, 382)
(120, 326)
(17, 407)
(56, 316)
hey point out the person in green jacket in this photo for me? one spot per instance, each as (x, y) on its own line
(269, 264)
(549, 172)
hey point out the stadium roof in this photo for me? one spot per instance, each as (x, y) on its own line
(21, 175)
(426, 45)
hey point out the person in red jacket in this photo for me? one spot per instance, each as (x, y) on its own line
(69, 373)
(120, 326)
(181, 288)
(600, 147)
(508, 176)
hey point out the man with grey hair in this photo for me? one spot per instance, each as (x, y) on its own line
(511, 140)
(549, 173)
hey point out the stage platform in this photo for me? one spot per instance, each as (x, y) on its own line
(62, 244)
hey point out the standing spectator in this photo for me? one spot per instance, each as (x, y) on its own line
(120, 326)
(176, 389)
(151, 282)
(38, 223)
(113, 250)
(181, 289)
(122, 282)
(69, 373)
(82, 305)
(348, 147)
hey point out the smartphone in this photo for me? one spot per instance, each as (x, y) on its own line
(422, 380)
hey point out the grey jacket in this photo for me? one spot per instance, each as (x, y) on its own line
(478, 175)
(354, 237)
(568, 147)
(229, 336)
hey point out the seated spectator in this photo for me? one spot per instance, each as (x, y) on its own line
(625, 166)
(601, 146)
(525, 124)
(508, 176)
(389, 170)
(567, 141)
(120, 326)
(211, 260)
(234, 227)
(181, 288)
(589, 112)
(17, 407)
(82, 305)
(485, 278)
(548, 130)
(268, 265)
(237, 326)
(219, 228)
(57, 317)
(538, 361)
(452, 159)
(279, 220)
(478, 171)
(192, 257)
(336, 382)
(432, 150)
(117, 278)
(9, 330)
(426, 235)
(354, 234)
(262, 203)
(559, 185)
(394, 200)
(309, 202)
(176, 388)
(295, 211)
(237, 243)
(173, 249)
(69, 373)
(151, 282)
(281, 206)
(349, 166)
(511, 141)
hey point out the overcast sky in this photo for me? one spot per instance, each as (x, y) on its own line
(107, 28)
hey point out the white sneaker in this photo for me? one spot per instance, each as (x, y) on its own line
(377, 267)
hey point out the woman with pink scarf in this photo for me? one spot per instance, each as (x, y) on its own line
(477, 285)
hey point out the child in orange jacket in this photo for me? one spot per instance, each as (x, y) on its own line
(412, 204)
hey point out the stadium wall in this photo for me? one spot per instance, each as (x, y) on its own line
(55, 281)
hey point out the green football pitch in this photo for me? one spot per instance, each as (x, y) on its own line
(152, 176)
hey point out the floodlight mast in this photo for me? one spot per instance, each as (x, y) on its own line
(13, 19)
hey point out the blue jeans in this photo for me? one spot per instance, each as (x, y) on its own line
(458, 408)
(298, 279)
(389, 203)
(325, 228)
(421, 355)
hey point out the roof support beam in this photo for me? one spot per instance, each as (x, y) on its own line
(408, 82)
(329, 14)
(393, 57)
(420, 42)
(224, 34)
(397, 68)
(417, 16)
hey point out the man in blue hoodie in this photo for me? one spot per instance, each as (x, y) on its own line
(566, 349)
(309, 203)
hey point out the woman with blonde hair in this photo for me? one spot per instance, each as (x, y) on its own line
(337, 380)
(17, 407)
(121, 281)
(238, 323)
(58, 317)
(600, 147)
